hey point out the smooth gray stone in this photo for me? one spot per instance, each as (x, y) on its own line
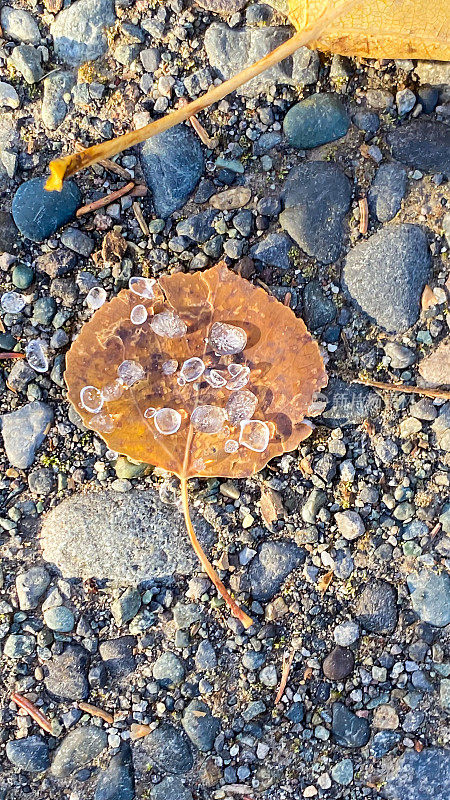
(78, 748)
(317, 120)
(29, 754)
(168, 749)
(430, 596)
(54, 107)
(425, 775)
(79, 31)
(386, 274)
(24, 431)
(117, 781)
(125, 538)
(272, 565)
(387, 191)
(423, 145)
(349, 404)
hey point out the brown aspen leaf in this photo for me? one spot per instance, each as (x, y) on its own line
(379, 28)
(277, 372)
(200, 374)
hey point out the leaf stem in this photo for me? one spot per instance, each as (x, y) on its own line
(209, 569)
(400, 387)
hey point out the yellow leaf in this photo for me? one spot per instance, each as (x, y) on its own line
(381, 28)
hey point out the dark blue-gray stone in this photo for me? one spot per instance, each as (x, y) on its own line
(173, 164)
(386, 274)
(424, 775)
(387, 191)
(317, 120)
(272, 565)
(169, 749)
(273, 251)
(117, 781)
(29, 754)
(348, 729)
(38, 213)
(423, 145)
(383, 742)
(199, 724)
(318, 309)
(376, 607)
(316, 198)
(170, 788)
(349, 404)
(199, 227)
(77, 749)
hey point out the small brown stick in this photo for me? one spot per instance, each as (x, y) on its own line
(33, 711)
(364, 212)
(109, 165)
(287, 664)
(211, 144)
(105, 201)
(97, 712)
(12, 355)
(398, 387)
(137, 210)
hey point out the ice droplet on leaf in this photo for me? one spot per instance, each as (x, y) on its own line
(215, 378)
(36, 357)
(192, 369)
(167, 421)
(131, 372)
(143, 287)
(254, 435)
(111, 455)
(138, 315)
(95, 297)
(240, 379)
(208, 419)
(149, 412)
(12, 302)
(240, 406)
(91, 399)
(231, 446)
(102, 423)
(227, 339)
(170, 367)
(112, 391)
(168, 324)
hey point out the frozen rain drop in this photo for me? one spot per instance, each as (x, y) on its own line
(102, 423)
(192, 369)
(231, 445)
(208, 419)
(167, 421)
(149, 412)
(91, 399)
(111, 455)
(215, 378)
(239, 380)
(138, 315)
(113, 391)
(241, 405)
(170, 367)
(181, 381)
(12, 302)
(227, 339)
(143, 287)
(36, 357)
(254, 435)
(169, 324)
(95, 297)
(131, 372)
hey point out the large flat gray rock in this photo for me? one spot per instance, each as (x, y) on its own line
(24, 431)
(125, 538)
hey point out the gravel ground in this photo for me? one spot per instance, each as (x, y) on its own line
(101, 600)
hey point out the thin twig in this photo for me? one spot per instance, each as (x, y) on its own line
(201, 132)
(137, 210)
(33, 711)
(109, 165)
(399, 387)
(105, 201)
(12, 355)
(287, 664)
(96, 712)
(364, 212)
